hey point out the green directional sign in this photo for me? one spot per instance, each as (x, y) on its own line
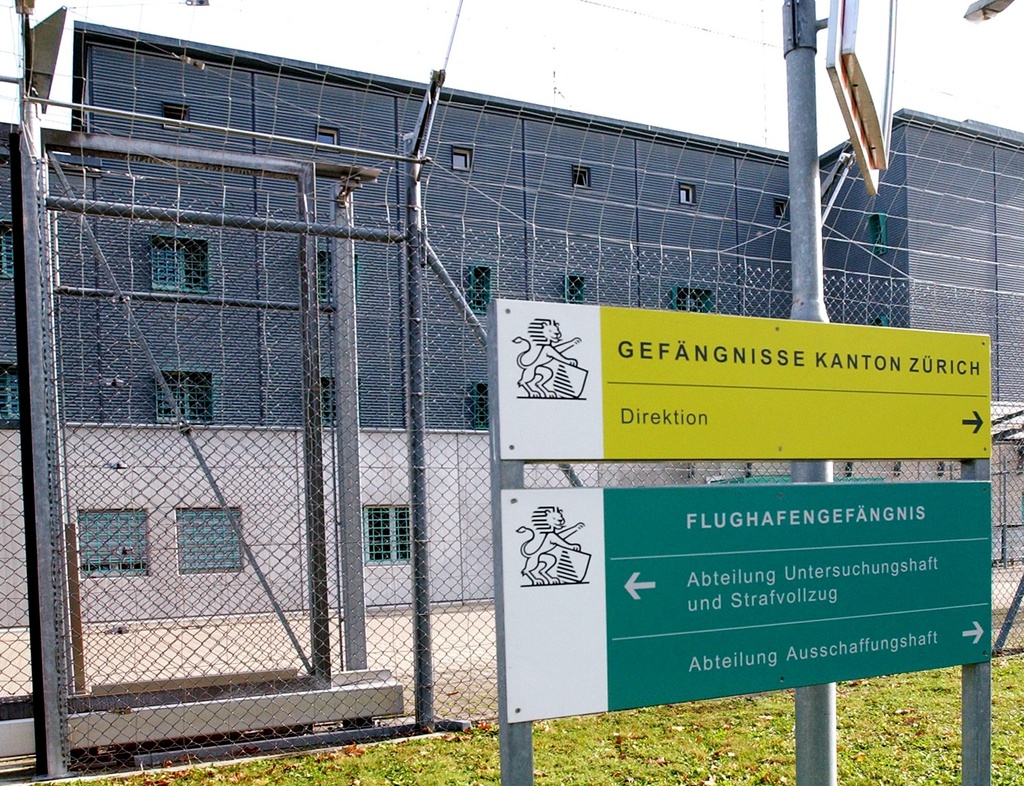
(623, 598)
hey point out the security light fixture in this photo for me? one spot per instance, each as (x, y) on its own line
(981, 10)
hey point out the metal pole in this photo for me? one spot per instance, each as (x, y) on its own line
(346, 438)
(312, 442)
(976, 690)
(40, 553)
(815, 705)
(415, 147)
(417, 427)
(515, 740)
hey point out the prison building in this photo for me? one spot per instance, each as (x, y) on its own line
(520, 201)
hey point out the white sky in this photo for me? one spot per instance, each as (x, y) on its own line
(710, 67)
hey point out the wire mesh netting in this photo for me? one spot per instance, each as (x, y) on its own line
(236, 528)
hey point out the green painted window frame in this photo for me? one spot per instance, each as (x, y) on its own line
(574, 287)
(10, 409)
(6, 250)
(479, 283)
(208, 540)
(113, 543)
(387, 534)
(328, 401)
(699, 301)
(479, 407)
(193, 392)
(878, 232)
(324, 271)
(179, 264)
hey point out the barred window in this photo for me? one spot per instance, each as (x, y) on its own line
(573, 288)
(6, 250)
(690, 299)
(9, 408)
(180, 264)
(193, 395)
(324, 271)
(479, 411)
(209, 540)
(328, 401)
(879, 233)
(478, 288)
(387, 535)
(113, 543)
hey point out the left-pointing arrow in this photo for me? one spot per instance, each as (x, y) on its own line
(633, 585)
(976, 631)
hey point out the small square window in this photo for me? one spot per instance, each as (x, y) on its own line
(690, 299)
(328, 401)
(879, 234)
(880, 320)
(478, 288)
(193, 396)
(112, 542)
(209, 541)
(687, 194)
(180, 264)
(179, 112)
(9, 408)
(324, 271)
(6, 250)
(387, 534)
(462, 159)
(325, 135)
(479, 409)
(573, 288)
(781, 207)
(580, 176)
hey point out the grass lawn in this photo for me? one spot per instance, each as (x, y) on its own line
(891, 730)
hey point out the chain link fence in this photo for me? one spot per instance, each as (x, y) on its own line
(235, 494)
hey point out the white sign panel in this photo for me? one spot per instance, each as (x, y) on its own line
(859, 59)
(553, 566)
(549, 373)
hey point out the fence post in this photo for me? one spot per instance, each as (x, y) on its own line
(346, 438)
(37, 449)
(976, 689)
(312, 441)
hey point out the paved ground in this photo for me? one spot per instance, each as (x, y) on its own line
(463, 657)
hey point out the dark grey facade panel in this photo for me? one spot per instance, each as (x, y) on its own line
(453, 368)
(381, 317)
(144, 83)
(1008, 348)
(605, 205)
(602, 271)
(291, 107)
(1009, 219)
(761, 234)
(950, 193)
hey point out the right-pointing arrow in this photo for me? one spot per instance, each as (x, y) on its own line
(976, 631)
(633, 585)
(976, 421)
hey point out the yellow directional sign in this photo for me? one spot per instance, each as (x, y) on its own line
(579, 382)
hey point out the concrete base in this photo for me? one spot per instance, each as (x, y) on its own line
(367, 694)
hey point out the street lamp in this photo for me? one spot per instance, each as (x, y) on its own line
(981, 10)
